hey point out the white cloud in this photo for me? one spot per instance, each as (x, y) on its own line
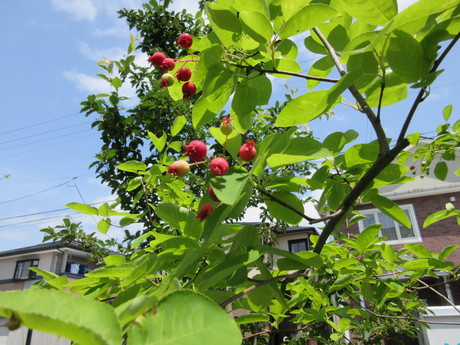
(79, 9)
(87, 83)
(114, 53)
(190, 6)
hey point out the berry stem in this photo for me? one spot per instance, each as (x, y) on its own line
(196, 163)
(193, 60)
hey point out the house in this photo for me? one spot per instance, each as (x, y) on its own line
(61, 258)
(421, 197)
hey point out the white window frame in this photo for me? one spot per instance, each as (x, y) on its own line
(413, 220)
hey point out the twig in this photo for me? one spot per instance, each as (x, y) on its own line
(439, 294)
(374, 120)
(262, 283)
(422, 91)
(293, 74)
(381, 162)
(409, 318)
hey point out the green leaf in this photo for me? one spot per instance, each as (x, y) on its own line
(83, 208)
(440, 215)
(291, 7)
(133, 184)
(130, 310)
(160, 142)
(285, 214)
(335, 142)
(446, 112)
(374, 12)
(406, 57)
(179, 218)
(273, 143)
(245, 99)
(313, 104)
(116, 82)
(80, 319)
(391, 209)
(204, 110)
(284, 64)
(225, 269)
(251, 318)
(299, 149)
(225, 23)
(263, 86)
(256, 25)
(103, 225)
(177, 125)
(228, 188)
(303, 109)
(307, 18)
(320, 68)
(368, 237)
(361, 154)
(342, 281)
(418, 250)
(232, 142)
(440, 170)
(185, 318)
(445, 252)
(132, 166)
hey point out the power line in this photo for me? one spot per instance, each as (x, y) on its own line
(50, 211)
(42, 133)
(45, 139)
(39, 124)
(46, 146)
(40, 192)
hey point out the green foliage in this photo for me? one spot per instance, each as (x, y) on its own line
(187, 268)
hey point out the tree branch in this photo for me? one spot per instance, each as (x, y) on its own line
(382, 161)
(262, 283)
(293, 74)
(439, 294)
(422, 91)
(303, 215)
(374, 120)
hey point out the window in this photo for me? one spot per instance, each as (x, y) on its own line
(22, 271)
(393, 231)
(299, 245)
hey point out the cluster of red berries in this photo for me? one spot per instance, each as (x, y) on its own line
(184, 74)
(196, 150)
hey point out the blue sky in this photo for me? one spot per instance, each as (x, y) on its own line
(49, 53)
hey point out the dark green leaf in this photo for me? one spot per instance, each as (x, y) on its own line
(77, 318)
(185, 318)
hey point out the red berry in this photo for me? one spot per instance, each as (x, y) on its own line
(168, 64)
(205, 211)
(213, 195)
(184, 74)
(166, 80)
(188, 90)
(157, 59)
(248, 151)
(185, 40)
(218, 166)
(179, 168)
(196, 150)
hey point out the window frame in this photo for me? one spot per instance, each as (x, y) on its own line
(413, 219)
(299, 240)
(30, 274)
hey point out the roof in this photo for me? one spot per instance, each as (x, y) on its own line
(40, 248)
